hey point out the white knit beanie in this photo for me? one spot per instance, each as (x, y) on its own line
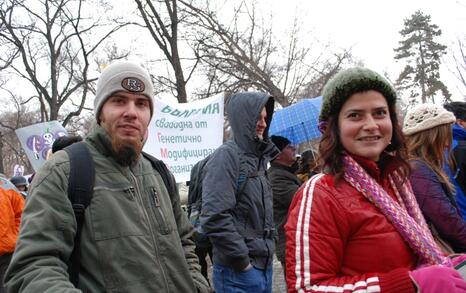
(122, 76)
(426, 116)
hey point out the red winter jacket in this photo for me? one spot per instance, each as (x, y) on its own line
(337, 241)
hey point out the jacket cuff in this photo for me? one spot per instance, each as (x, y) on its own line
(397, 281)
(239, 263)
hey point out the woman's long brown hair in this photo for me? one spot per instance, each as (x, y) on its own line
(429, 146)
(331, 149)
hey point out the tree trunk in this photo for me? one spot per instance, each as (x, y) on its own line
(180, 82)
(1, 154)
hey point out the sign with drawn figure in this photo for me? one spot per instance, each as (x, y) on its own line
(18, 170)
(37, 140)
(183, 134)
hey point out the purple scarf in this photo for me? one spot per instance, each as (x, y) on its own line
(405, 215)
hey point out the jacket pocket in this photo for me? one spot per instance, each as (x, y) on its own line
(161, 217)
(115, 213)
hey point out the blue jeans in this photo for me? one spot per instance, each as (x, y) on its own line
(227, 280)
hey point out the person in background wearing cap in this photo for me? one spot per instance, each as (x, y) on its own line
(428, 130)
(11, 207)
(284, 185)
(357, 227)
(21, 184)
(128, 243)
(458, 175)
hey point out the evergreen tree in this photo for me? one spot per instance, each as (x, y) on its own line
(422, 54)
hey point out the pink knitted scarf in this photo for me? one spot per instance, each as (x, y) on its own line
(405, 215)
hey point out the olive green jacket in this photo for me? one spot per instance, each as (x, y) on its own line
(135, 237)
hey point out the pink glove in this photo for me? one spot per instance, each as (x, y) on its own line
(433, 279)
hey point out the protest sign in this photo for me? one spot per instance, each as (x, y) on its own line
(18, 170)
(37, 140)
(183, 134)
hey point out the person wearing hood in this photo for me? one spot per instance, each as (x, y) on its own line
(240, 224)
(458, 177)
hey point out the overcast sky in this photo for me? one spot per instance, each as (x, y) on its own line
(372, 28)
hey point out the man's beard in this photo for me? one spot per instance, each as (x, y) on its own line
(126, 150)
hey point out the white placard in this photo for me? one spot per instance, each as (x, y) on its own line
(183, 134)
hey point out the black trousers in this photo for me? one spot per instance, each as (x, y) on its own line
(202, 253)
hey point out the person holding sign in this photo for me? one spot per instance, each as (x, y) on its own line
(135, 236)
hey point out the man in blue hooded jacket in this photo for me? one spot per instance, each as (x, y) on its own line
(240, 225)
(458, 177)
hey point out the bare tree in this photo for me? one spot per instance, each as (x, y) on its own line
(11, 152)
(54, 40)
(323, 71)
(162, 19)
(236, 59)
(247, 55)
(459, 58)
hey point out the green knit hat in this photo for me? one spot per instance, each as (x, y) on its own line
(348, 82)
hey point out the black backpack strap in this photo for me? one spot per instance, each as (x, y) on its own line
(242, 178)
(195, 185)
(160, 167)
(248, 176)
(80, 190)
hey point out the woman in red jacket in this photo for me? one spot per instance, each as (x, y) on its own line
(357, 227)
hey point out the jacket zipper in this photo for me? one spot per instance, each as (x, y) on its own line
(125, 189)
(265, 211)
(129, 191)
(153, 230)
(158, 211)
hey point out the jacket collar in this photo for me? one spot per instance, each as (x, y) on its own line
(100, 139)
(290, 169)
(378, 170)
(370, 166)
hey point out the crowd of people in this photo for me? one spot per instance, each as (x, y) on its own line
(379, 207)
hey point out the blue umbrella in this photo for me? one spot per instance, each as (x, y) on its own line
(297, 122)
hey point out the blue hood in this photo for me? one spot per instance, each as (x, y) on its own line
(459, 133)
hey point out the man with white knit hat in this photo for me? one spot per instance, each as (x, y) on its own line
(135, 237)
